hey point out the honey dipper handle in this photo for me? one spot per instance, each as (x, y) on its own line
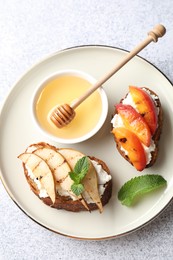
(158, 31)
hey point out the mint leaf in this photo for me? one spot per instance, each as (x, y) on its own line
(82, 166)
(139, 186)
(77, 189)
(75, 177)
(80, 170)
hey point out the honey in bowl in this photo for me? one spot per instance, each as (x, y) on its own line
(65, 87)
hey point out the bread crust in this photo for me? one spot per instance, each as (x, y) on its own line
(156, 135)
(65, 202)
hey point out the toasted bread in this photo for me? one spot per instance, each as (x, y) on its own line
(156, 135)
(66, 202)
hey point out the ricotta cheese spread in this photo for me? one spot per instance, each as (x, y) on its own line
(43, 193)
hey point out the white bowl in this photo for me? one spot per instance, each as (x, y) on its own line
(89, 134)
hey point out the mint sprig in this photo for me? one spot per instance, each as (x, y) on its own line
(139, 186)
(77, 175)
(77, 189)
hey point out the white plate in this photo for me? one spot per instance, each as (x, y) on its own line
(18, 131)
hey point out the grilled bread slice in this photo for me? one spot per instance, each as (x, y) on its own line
(154, 138)
(64, 200)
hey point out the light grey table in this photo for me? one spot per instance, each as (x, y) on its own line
(30, 30)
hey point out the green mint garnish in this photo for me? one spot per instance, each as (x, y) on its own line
(77, 175)
(139, 186)
(77, 189)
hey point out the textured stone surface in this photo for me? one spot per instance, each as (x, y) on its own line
(30, 30)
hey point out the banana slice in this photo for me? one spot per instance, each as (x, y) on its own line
(41, 171)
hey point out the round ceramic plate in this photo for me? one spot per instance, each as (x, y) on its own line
(18, 131)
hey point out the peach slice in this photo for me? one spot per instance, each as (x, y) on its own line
(131, 143)
(135, 122)
(145, 106)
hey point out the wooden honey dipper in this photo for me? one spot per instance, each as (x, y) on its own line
(62, 115)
